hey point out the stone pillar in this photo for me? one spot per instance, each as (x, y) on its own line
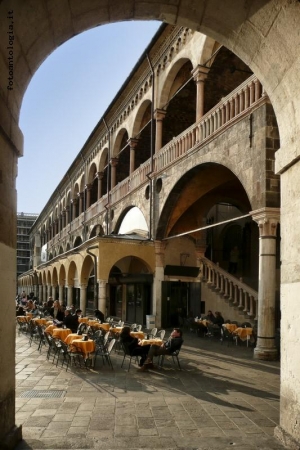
(102, 296)
(61, 293)
(80, 199)
(41, 294)
(44, 288)
(74, 203)
(157, 281)
(113, 163)
(88, 188)
(199, 75)
(99, 176)
(49, 291)
(70, 295)
(267, 219)
(67, 214)
(83, 298)
(132, 145)
(159, 115)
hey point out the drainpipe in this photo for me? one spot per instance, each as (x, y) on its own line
(95, 274)
(108, 180)
(151, 190)
(84, 205)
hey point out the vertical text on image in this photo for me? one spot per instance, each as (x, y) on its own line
(10, 50)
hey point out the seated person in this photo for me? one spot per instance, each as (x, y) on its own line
(70, 321)
(99, 315)
(20, 311)
(219, 320)
(173, 343)
(57, 312)
(210, 316)
(132, 344)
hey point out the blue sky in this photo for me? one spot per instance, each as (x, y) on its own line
(66, 98)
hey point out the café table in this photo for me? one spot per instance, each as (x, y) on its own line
(23, 319)
(85, 346)
(115, 330)
(50, 329)
(30, 315)
(244, 334)
(104, 326)
(41, 321)
(83, 319)
(61, 333)
(72, 337)
(154, 341)
(93, 323)
(137, 334)
(230, 326)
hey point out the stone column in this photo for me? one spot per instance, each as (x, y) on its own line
(113, 163)
(61, 293)
(159, 115)
(74, 203)
(132, 145)
(70, 295)
(83, 298)
(44, 293)
(67, 215)
(88, 188)
(267, 219)
(49, 291)
(102, 284)
(80, 198)
(157, 281)
(99, 176)
(11, 143)
(41, 293)
(199, 75)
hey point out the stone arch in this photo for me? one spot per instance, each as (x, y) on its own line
(139, 121)
(132, 215)
(169, 88)
(77, 241)
(86, 269)
(118, 143)
(62, 275)
(54, 277)
(72, 274)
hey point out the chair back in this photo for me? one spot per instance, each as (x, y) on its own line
(153, 332)
(246, 325)
(106, 337)
(161, 334)
(82, 327)
(139, 328)
(111, 345)
(133, 326)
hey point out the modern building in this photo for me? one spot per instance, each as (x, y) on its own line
(226, 152)
(24, 223)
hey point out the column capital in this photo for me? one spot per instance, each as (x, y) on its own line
(83, 286)
(88, 187)
(79, 194)
(160, 247)
(99, 175)
(132, 142)
(200, 73)
(159, 114)
(267, 220)
(74, 200)
(114, 162)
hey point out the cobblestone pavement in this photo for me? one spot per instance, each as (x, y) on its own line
(222, 398)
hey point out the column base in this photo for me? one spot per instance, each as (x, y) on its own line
(286, 439)
(11, 439)
(266, 353)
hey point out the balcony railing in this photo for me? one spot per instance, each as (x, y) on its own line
(229, 110)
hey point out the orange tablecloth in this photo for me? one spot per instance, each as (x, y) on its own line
(83, 319)
(137, 334)
(151, 342)
(230, 326)
(116, 329)
(50, 329)
(104, 326)
(93, 323)
(243, 333)
(40, 321)
(23, 318)
(61, 333)
(30, 315)
(203, 322)
(86, 346)
(71, 337)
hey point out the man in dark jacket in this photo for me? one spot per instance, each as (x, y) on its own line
(173, 343)
(70, 321)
